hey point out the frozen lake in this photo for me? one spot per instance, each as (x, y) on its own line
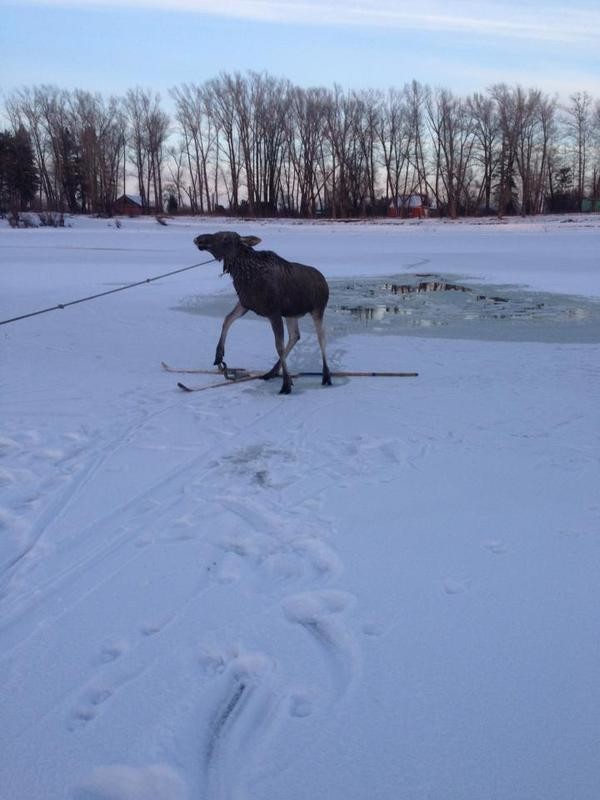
(387, 588)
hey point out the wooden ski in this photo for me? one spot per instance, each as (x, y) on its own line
(244, 374)
(252, 377)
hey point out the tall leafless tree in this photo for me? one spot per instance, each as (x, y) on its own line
(578, 121)
(486, 131)
(451, 130)
(256, 143)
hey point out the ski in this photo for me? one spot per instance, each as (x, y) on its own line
(237, 374)
(365, 374)
(184, 387)
(343, 374)
(190, 370)
(232, 373)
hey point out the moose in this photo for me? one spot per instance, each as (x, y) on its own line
(273, 288)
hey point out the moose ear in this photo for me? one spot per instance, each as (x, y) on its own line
(251, 241)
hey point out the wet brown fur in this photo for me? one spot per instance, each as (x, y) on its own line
(271, 287)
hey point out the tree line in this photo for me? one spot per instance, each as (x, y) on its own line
(256, 144)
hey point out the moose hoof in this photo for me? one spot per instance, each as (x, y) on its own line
(286, 388)
(326, 380)
(272, 373)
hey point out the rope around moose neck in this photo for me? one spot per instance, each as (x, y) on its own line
(103, 294)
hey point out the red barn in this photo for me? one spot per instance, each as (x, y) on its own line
(128, 205)
(413, 206)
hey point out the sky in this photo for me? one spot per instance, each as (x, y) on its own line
(112, 45)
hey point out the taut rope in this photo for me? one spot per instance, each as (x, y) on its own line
(103, 294)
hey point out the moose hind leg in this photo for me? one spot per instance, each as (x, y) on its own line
(277, 325)
(293, 338)
(320, 328)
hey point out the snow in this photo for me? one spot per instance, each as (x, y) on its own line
(383, 589)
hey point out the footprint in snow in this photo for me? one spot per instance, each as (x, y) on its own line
(127, 782)
(109, 680)
(495, 546)
(320, 613)
(287, 549)
(152, 627)
(89, 707)
(453, 586)
(301, 705)
(112, 651)
(373, 629)
(235, 747)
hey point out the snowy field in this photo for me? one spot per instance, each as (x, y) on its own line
(383, 590)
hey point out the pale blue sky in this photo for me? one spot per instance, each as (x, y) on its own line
(112, 45)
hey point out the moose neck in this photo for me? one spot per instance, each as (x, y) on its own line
(239, 265)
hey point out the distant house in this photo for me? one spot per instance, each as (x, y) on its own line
(129, 205)
(588, 205)
(412, 206)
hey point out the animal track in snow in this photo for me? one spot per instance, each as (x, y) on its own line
(495, 546)
(262, 464)
(126, 782)
(301, 705)
(214, 661)
(320, 613)
(40, 473)
(285, 546)
(454, 586)
(111, 675)
(248, 709)
(373, 629)
(113, 650)
(151, 628)
(89, 706)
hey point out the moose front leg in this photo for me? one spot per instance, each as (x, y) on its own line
(237, 312)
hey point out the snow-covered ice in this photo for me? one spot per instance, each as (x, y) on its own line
(383, 589)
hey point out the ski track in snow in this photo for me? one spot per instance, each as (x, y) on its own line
(274, 540)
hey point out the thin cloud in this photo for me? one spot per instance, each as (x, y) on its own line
(545, 22)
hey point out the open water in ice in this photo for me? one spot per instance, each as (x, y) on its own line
(444, 306)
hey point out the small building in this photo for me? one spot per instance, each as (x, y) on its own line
(590, 205)
(411, 206)
(129, 205)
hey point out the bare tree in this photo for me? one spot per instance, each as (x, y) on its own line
(221, 98)
(486, 131)
(395, 141)
(177, 184)
(595, 178)
(578, 122)
(272, 147)
(508, 121)
(347, 187)
(197, 126)
(99, 128)
(271, 101)
(451, 128)
(305, 141)
(417, 98)
(148, 129)
(368, 114)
